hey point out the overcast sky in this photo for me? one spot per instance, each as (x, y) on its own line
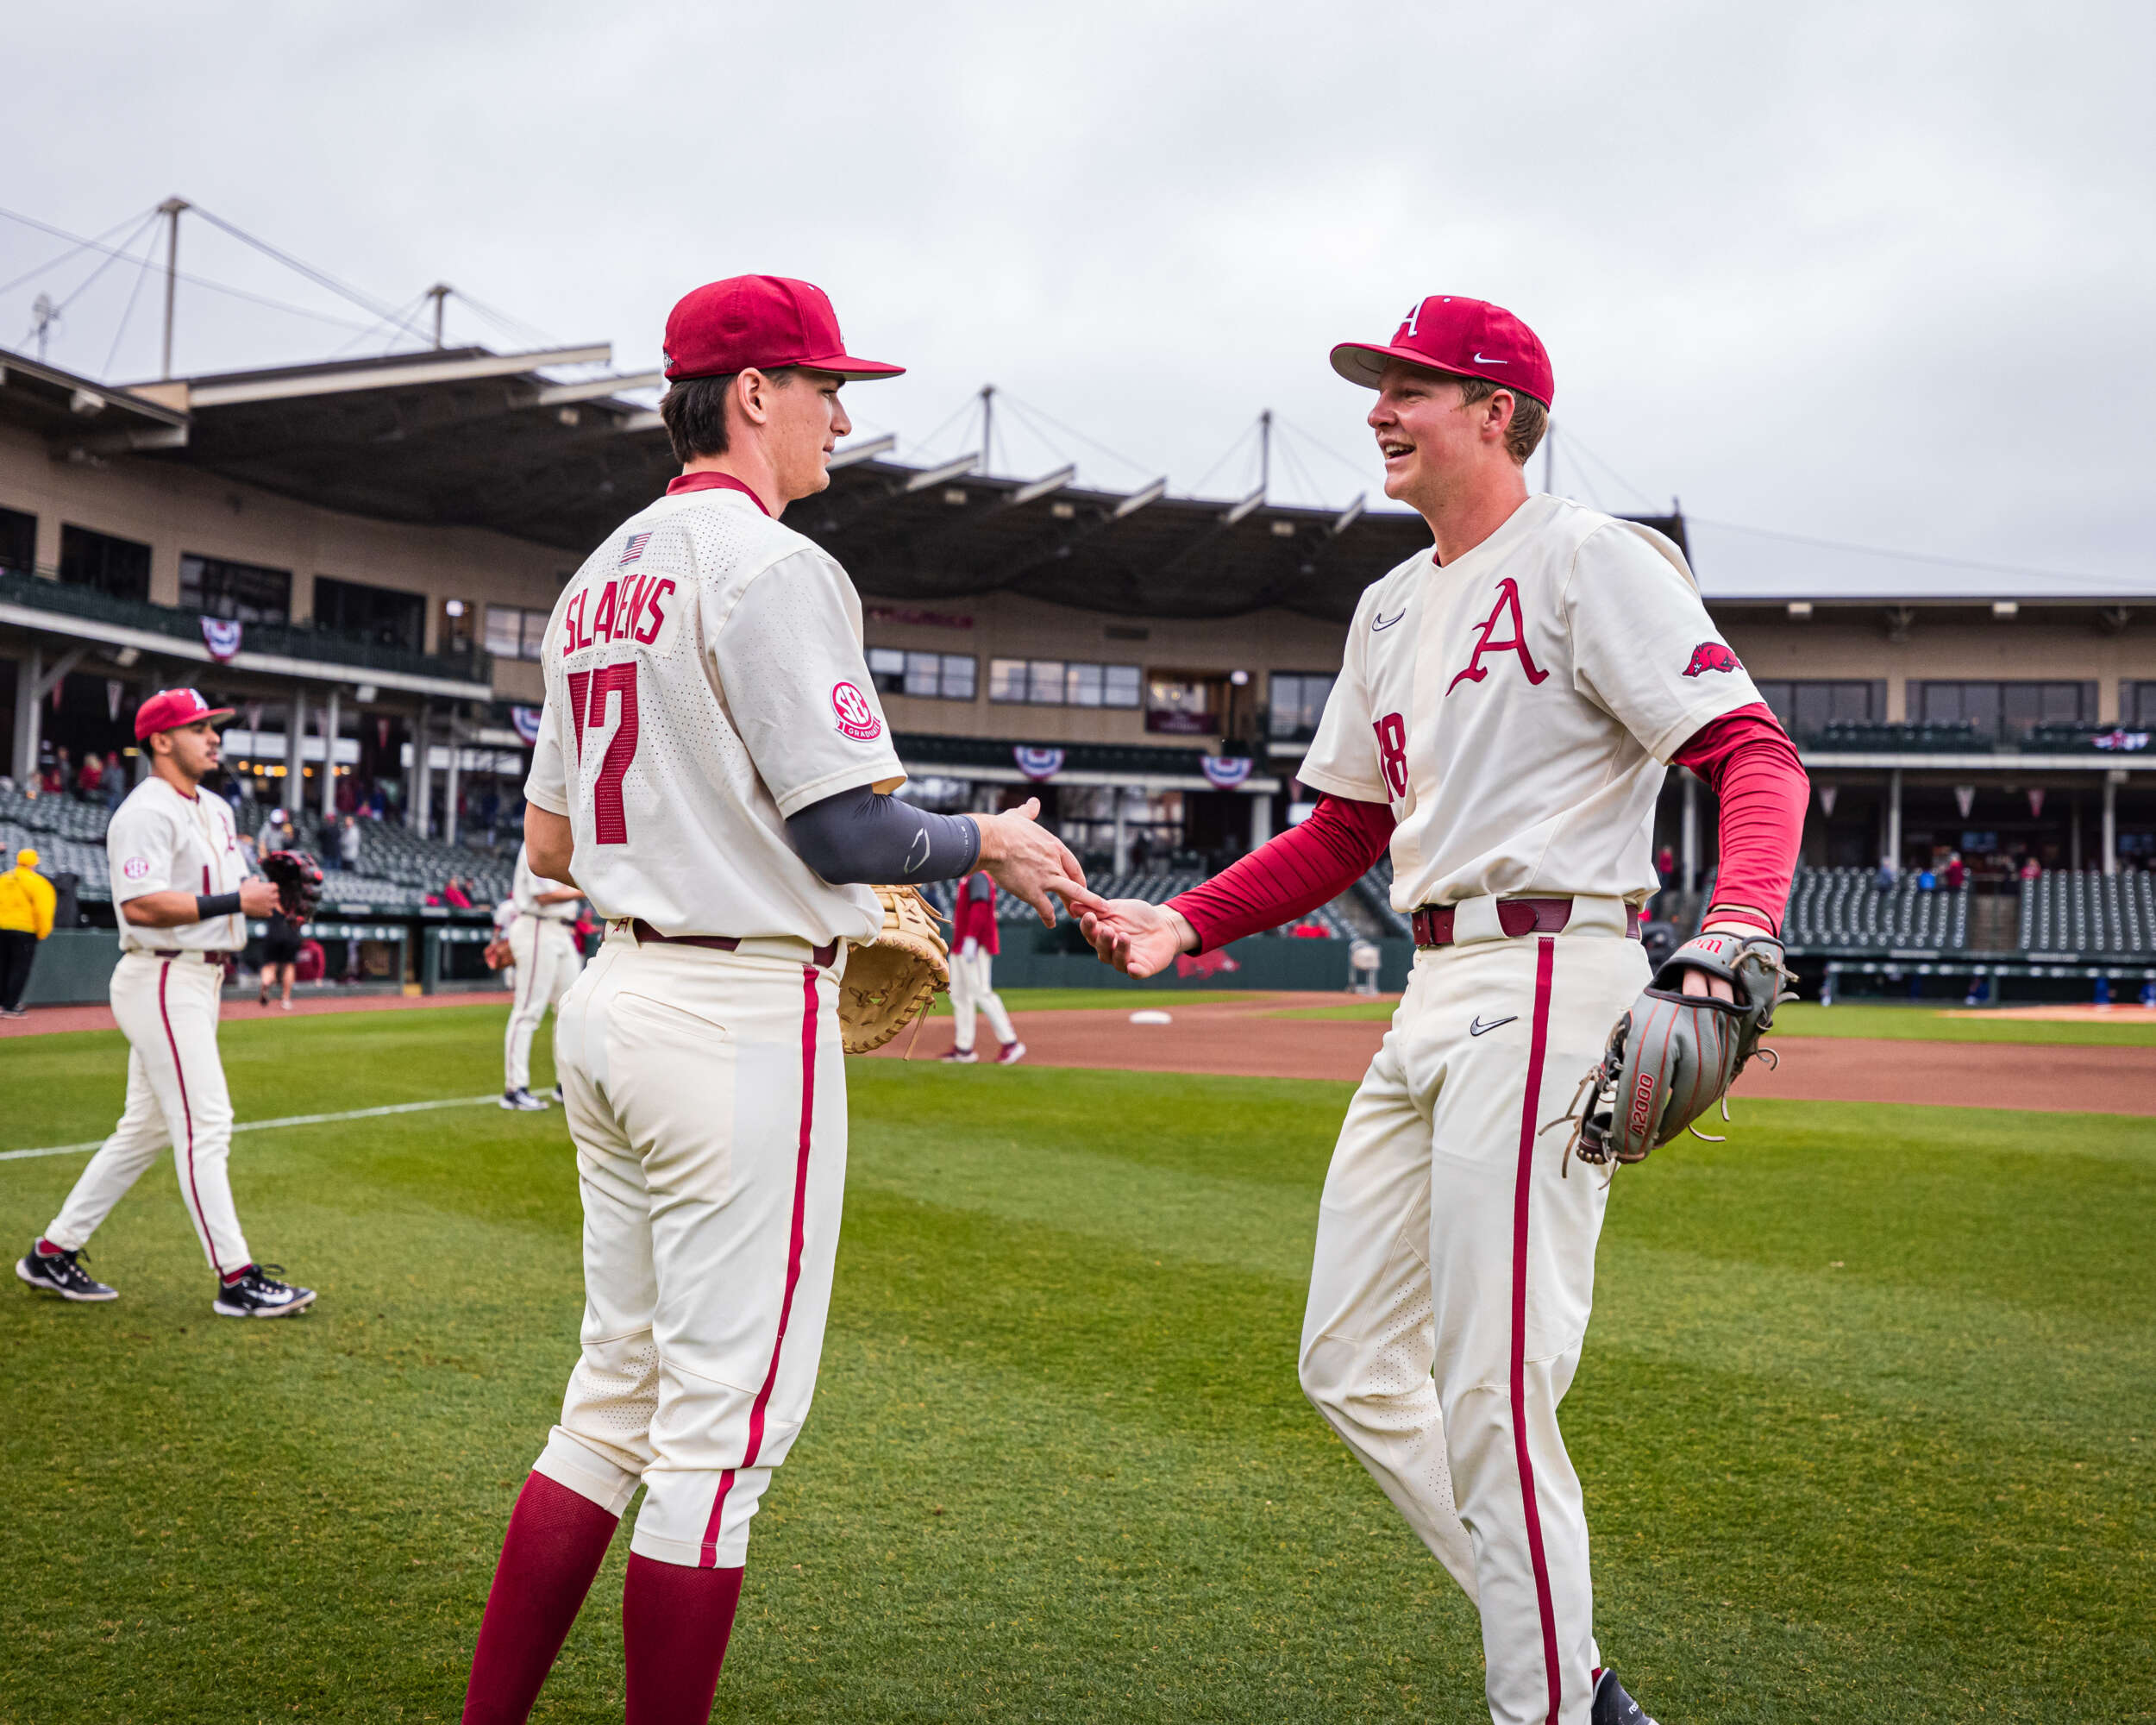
(1871, 273)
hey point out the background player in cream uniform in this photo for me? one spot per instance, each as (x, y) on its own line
(1503, 718)
(974, 945)
(712, 771)
(183, 892)
(542, 941)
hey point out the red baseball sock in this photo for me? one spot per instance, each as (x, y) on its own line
(675, 1621)
(556, 1541)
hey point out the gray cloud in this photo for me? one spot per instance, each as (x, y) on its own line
(1868, 273)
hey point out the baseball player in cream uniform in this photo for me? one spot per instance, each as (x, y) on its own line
(1508, 702)
(973, 945)
(712, 772)
(183, 892)
(542, 941)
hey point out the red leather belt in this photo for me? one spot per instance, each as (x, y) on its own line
(1432, 924)
(825, 956)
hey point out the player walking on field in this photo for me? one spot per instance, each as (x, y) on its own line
(1508, 705)
(712, 772)
(974, 946)
(183, 893)
(542, 943)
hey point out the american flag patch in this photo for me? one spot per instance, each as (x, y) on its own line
(635, 548)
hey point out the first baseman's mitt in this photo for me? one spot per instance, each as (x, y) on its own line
(1674, 1055)
(297, 878)
(891, 980)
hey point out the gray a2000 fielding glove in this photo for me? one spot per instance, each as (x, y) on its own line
(1674, 1055)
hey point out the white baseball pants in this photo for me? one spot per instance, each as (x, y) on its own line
(1453, 1277)
(544, 950)
(971, 990)
(707, 1095)
(176, 1095)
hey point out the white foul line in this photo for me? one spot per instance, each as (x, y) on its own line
(265, 1126)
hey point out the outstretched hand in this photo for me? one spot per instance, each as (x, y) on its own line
(1025, 859)
(1139, 938)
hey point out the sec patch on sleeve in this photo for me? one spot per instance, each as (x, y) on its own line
(855, 717)
(135, 868)
(1712, 655)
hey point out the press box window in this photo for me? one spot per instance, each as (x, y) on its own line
(1299, 698)
(1807, 707)
(245, 590)
(924, 677)
(18, 542)
(513, 633)
(1060, 682)
(103, 562)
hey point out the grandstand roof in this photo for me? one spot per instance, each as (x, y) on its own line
(467, 437)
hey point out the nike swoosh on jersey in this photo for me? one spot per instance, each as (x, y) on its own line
(1378, 623)
(1478, 1026)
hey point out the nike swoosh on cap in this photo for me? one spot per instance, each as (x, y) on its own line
(1481, 361)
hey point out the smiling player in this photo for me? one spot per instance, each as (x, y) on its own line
(1509, 704)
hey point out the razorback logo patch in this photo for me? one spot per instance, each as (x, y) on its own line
(855, 717)
(1712, 655)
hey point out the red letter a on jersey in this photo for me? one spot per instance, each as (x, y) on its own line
(1508, 605)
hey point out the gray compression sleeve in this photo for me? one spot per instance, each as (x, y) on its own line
(861, 836)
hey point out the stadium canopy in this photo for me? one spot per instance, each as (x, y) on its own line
(465, 437)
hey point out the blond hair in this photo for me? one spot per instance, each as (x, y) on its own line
(1529, 418)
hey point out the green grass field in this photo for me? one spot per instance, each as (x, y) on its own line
(1866, 1416)
(1900, 1024)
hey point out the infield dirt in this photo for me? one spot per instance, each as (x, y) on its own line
(1249, 1039)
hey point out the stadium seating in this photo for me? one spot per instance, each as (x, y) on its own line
(1374, 891)
(2081, 911)
(1927, 736)
(397, 869)
(1845, 909)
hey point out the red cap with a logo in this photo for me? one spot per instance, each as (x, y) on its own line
(1469, 337)
(171, 707)
(760, 321)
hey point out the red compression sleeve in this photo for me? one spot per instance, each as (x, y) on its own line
(1302, 868)
(1749, 763)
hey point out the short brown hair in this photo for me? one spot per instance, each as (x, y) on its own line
(1529, 418)
(693, 412)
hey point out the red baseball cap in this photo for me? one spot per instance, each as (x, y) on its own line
(760, 321)
(1468, 337)
(171, 707)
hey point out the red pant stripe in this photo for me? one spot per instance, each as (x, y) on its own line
(186, 1114)
(1546, 956)
(708, 1555)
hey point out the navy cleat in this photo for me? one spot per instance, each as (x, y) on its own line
(60, 1273)
(522, 1101)
(258, 1294)
(1613, 1706)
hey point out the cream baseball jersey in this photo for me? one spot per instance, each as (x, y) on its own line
(1517, 707)
(160, 841)
(704, 680)
(527, 887)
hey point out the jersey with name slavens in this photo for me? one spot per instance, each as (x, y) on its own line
(1517, 707)
(704, 680)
